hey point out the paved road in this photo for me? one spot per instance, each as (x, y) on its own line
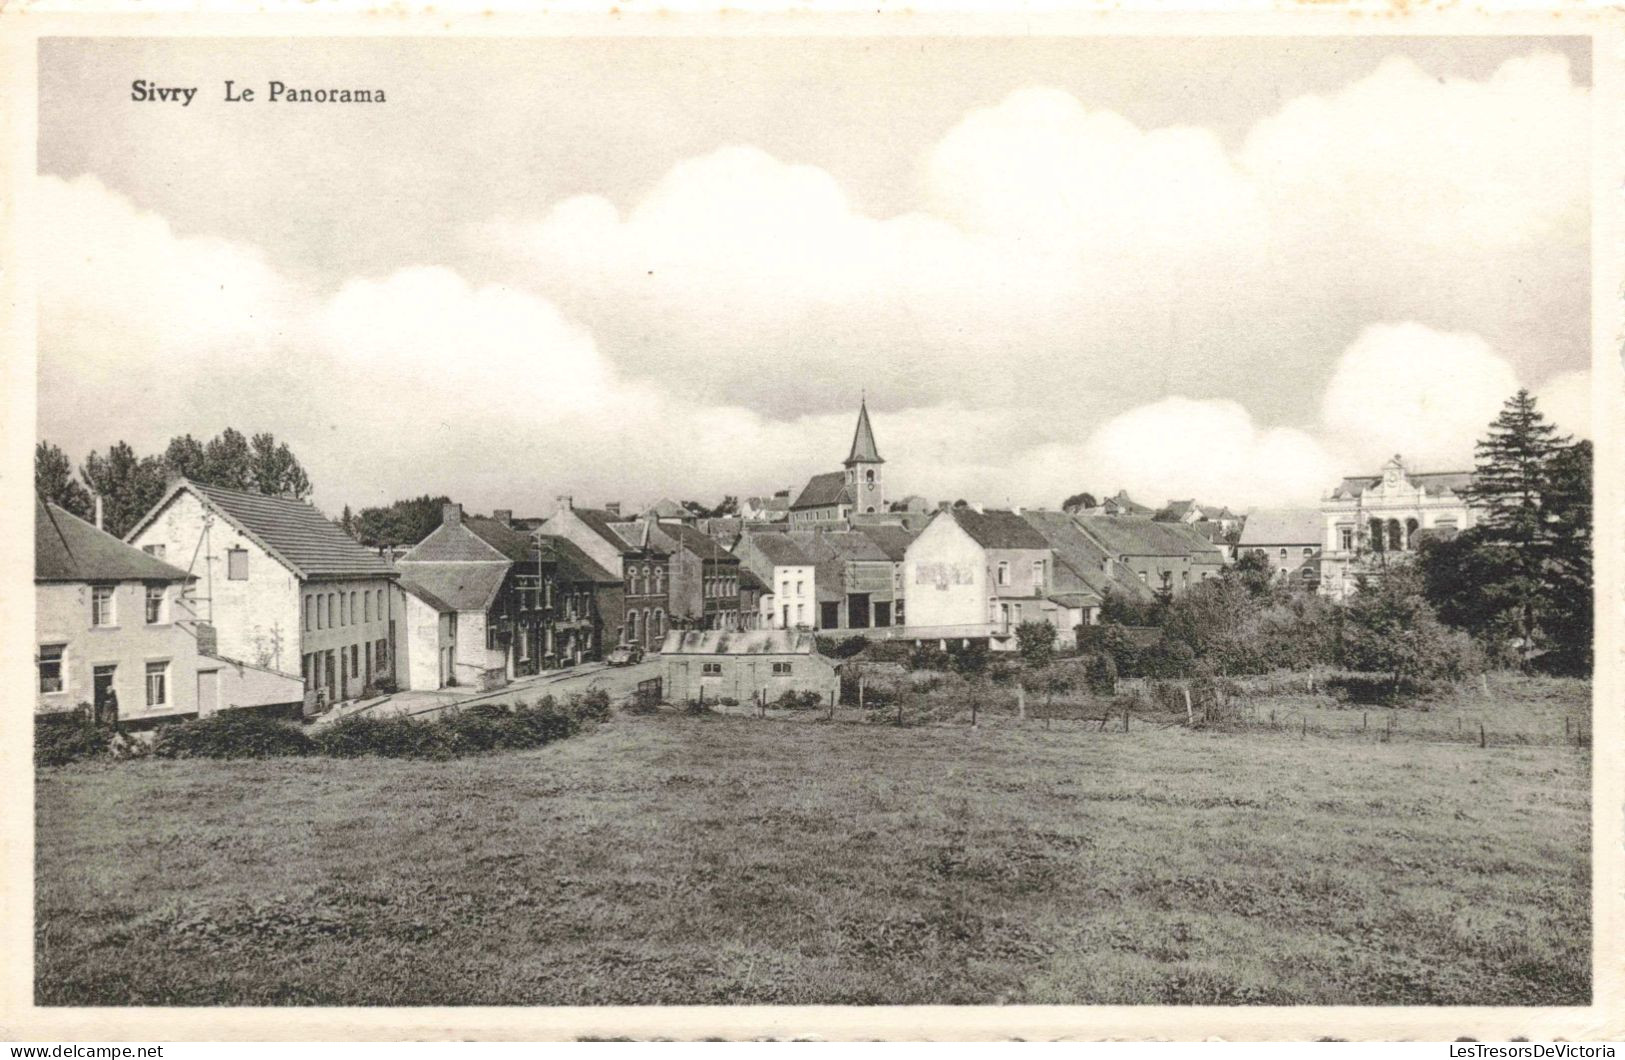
(619, 681)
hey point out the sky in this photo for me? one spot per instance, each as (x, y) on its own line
(1234, 269)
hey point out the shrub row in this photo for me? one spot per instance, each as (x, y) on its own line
(244, 734)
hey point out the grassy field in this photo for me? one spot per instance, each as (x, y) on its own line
(708, 860)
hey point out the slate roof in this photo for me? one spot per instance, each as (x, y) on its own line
(1432, 482)
(303, 539)
(603, 524)
(696, 541)
(68, 549)
(1080, 561)
(998, 529)
(1176, 510)
(1128, 536)
(455, 586)
(823, 491)
(573, 564)
(747, 642)
(455, 544)
(892, 540)
(1125, 503)
(863, 440)
(748, 580)
(828, 563)
(780, 550)
(514, 544)
(1283, 526)
(666, 508)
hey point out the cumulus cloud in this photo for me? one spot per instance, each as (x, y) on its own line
(1565, 400)
(1075, 303)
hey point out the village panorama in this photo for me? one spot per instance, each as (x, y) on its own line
(633, 553)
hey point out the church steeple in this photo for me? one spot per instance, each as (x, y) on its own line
(863, 440)
(864, 489)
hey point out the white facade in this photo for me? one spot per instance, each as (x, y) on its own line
(1366, 525)
(793, 598)
(945, 578)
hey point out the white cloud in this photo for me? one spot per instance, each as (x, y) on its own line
(1062, 266)
(1408, 389)
(1565, 401)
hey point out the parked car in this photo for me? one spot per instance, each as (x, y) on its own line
(625, 655)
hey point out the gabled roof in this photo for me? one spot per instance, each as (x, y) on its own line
(455, 586)
(692, 539)
(891, 540)
(455, 544)
(863, 440)
(780, 550)
(997, 529)
(295, 533)
(1124, 503)
(1131, 536)
(1432, 482)
(823, 491)
(1283, 526)
(1079, 559)
(1176, 510)
(603, 524)
(666, 508)
(68, 549)
(573, 564)
(514, 544)
(828, 563)
(749, 581)
(748, 642)
(851, 545)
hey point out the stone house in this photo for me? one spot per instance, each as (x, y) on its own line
(976, 574)
(1084, 572)
(712, 665)
(115, 627)
(1290, 539)
(579, 594)
(1167, 558)
(281, 584)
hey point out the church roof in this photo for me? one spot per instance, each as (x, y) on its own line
(823, 491)
(863, 441)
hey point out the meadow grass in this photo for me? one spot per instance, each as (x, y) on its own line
(709, 860)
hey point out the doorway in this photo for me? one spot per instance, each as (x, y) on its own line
(857, 611)
(104, 697)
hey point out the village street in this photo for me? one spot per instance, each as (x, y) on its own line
(619, 681)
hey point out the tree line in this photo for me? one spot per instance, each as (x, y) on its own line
(130, 484)
(1513, 590)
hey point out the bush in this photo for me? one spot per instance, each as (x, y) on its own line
(1100, 673)
(1036, 643)
(793, 700)
(231, 734)
(398, 737)
(845, 648)
(70, 738)
(889, 651)
(970, 659)
(592, 705)
(928, 657)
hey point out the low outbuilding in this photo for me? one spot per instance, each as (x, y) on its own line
(719, 664)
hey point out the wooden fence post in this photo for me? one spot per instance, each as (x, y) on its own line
(1021, 701)
(1190, 717)
(1304, 732)
(1125, 719)
(860, 691)
(1365, 721)
(1483, 741)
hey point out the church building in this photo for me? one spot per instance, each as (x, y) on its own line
(829, 500)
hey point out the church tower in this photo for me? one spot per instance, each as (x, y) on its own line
(863, 467)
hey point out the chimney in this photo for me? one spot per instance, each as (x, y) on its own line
(566, 503)
(451, 514)
(613, 508)
(98, 497)
(503, 516)
(207, 641)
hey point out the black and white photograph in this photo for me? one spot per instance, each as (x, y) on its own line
(737, 516)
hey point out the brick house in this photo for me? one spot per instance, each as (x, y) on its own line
(580, 594)
(281, 584)
(1289, 539)
(643, 567)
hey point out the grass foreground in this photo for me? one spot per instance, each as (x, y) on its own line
(732, 860)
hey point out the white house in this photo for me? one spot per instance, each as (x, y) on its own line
(1367, 521)
(284, 588)
(976, 575)
(115, 628)
(791, 599)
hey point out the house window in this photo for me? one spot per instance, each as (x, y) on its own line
(660, 622)
(1144, 579)
(329, 610)
(781, 669)
(1307, 552)
(800, 614)
(380, 651)
(798, 588)
(155, 551)
(308, 618)
(711, 669)
(157, 684)
(784, 588)
(50, 668)
(155, 604)
(1345, 538)
(355, 616)
(355, 660)
(1004, 572)
(632, 626)
(101, 605)
(366, 602)
(1309, 574)
(237, 564)
(1283, 553)
(1038, 575)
